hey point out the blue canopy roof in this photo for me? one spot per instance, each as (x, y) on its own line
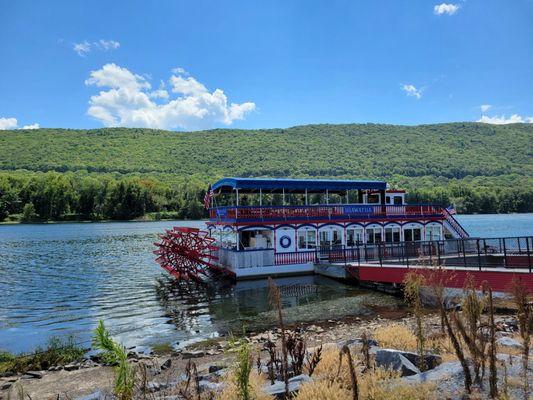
(295, 185)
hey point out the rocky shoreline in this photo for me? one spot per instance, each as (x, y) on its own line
(89, 379)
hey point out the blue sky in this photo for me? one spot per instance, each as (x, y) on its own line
(80, 64)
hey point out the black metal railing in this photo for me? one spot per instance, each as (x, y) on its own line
(510, 252)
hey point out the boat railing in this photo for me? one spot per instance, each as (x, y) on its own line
(324, 212)
(478, 253)
(456, 226)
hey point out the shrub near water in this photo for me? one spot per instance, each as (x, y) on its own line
(57, 352)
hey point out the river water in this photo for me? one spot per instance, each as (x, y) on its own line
(59, 279)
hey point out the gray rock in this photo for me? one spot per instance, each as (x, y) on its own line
(35, 374)
(430, 360)
(155, 386)
(216, 368)
(444, 371)
(208, 385)
(509, 342)
(278, 387)
(94, 355)
(98, 395)
(192, 354)
(167, 364)
(392, 359)
(71, 367)
(359, 341)
(6, 385)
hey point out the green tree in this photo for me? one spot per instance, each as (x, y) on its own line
(28, 212)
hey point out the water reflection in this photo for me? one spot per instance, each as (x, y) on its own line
(232, 306)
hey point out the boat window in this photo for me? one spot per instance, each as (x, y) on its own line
(354, 237)
(387, 200)
(373, 199)
(392, 234)
(330, 238)
(337, 238)
(397, 200)
(433, 232)
(412, 234)
(260, 239)
(325, 238)
(306, 239)
(373, 235)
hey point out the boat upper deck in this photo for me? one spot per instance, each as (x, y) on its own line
(324, 213)
(257, 200)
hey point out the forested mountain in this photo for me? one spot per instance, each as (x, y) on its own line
(483, 168)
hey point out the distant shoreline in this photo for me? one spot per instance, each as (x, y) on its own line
(85, 221)
(142, 219)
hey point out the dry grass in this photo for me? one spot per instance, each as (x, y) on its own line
(383, 384)
(441, 345)
(231, 390)
(396, 336)
(375, 384)
(328, 367)
(323, 390)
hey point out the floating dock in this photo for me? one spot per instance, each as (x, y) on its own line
(392, 275)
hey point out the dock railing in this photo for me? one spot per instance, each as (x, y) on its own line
(479, 253)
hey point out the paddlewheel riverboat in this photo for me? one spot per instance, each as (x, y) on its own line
(284, 226)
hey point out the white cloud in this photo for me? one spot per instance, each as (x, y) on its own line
(12, 123)
(107, 44)
(179, 70)
(501, 120)
(130, 101)
(485, 107)
(85, 47)
(445, 8)
(32, 126)
(82, 48)
(187, 85)
(8, 123)
(411, 90)
(159, 94)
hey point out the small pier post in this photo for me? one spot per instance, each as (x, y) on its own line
(504, 253)
(528, 254)
(478, 255)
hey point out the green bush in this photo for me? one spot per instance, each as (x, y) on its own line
(57, 352)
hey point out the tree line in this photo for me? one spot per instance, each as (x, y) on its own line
(69, 196)
(55, 196)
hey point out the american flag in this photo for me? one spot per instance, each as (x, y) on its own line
(207, 197)
(451, 209)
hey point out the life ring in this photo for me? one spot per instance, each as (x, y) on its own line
(285, 242)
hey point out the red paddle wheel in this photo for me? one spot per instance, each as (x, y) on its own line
(186, 253)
